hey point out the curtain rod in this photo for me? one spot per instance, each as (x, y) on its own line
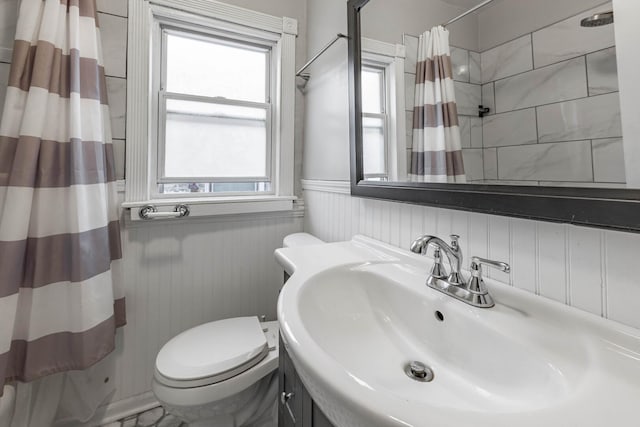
(317, 55)
(468, 12)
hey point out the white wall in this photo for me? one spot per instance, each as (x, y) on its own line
(325, 155)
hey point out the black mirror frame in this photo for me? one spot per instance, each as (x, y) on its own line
(617, 209)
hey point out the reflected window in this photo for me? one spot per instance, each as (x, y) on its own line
(374, 122)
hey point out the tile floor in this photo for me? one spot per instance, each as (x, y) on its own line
(156, 417)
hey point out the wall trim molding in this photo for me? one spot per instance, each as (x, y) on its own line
(382, 48)
(231, 13)
(339, 187)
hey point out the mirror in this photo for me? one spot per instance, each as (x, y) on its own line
(513, 109)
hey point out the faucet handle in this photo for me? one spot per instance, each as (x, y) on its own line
(476, 284)
(502, 266)
(437, 270)
(454, 240)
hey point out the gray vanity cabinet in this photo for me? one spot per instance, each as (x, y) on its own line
(295, 406)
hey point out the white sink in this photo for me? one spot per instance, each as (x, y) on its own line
(354, 314)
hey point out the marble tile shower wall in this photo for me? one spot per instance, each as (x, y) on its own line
(554, 107)
(555, 110)
(113, 26)
(467, 80)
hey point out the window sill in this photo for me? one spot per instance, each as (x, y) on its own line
(214, 206)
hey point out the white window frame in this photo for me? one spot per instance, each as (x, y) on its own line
(391, 58)
(160, 118)
(146, 20)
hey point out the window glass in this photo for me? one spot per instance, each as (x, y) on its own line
(220, 140)
(215, 140)
(214, 187)
(215, 68)
(373, 147)
(372, 91)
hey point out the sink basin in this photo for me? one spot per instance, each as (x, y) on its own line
(355, 314)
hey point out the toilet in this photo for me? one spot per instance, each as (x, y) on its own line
(223, 373)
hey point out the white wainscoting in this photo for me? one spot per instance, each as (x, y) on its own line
(587, 268)
(181, 273)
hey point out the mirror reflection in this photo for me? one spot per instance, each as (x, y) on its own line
(514, 92)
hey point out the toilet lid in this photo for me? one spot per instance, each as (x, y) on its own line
(212, 352)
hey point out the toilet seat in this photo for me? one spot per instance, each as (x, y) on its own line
(175, 396)
(211, 353)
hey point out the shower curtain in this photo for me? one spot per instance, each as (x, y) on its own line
(60, 250)
(436, 153)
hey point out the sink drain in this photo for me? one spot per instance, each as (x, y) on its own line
(418, 371)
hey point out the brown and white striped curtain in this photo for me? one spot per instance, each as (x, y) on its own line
(436, 153)
(60, 250)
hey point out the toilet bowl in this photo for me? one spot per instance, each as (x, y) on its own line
(223, 373)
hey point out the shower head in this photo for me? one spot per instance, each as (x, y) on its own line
(598, 20)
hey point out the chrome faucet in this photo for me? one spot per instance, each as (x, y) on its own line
(453, 252)
(473, 292)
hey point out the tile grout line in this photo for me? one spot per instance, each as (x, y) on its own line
(593, 161)
(533, 56)
(111, 14)
(586, 75)
(563, 63)
(555, 102)
(535, 113)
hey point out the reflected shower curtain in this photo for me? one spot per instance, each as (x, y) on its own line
(60, 250)
(436, 153)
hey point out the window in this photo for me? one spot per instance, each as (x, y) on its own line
(374, 123)
(212, 118)
(215, 115)
(383, 111)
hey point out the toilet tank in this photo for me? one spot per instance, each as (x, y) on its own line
(6, 405)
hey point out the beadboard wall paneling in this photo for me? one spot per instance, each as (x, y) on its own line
(180, 274)
(590, 269)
